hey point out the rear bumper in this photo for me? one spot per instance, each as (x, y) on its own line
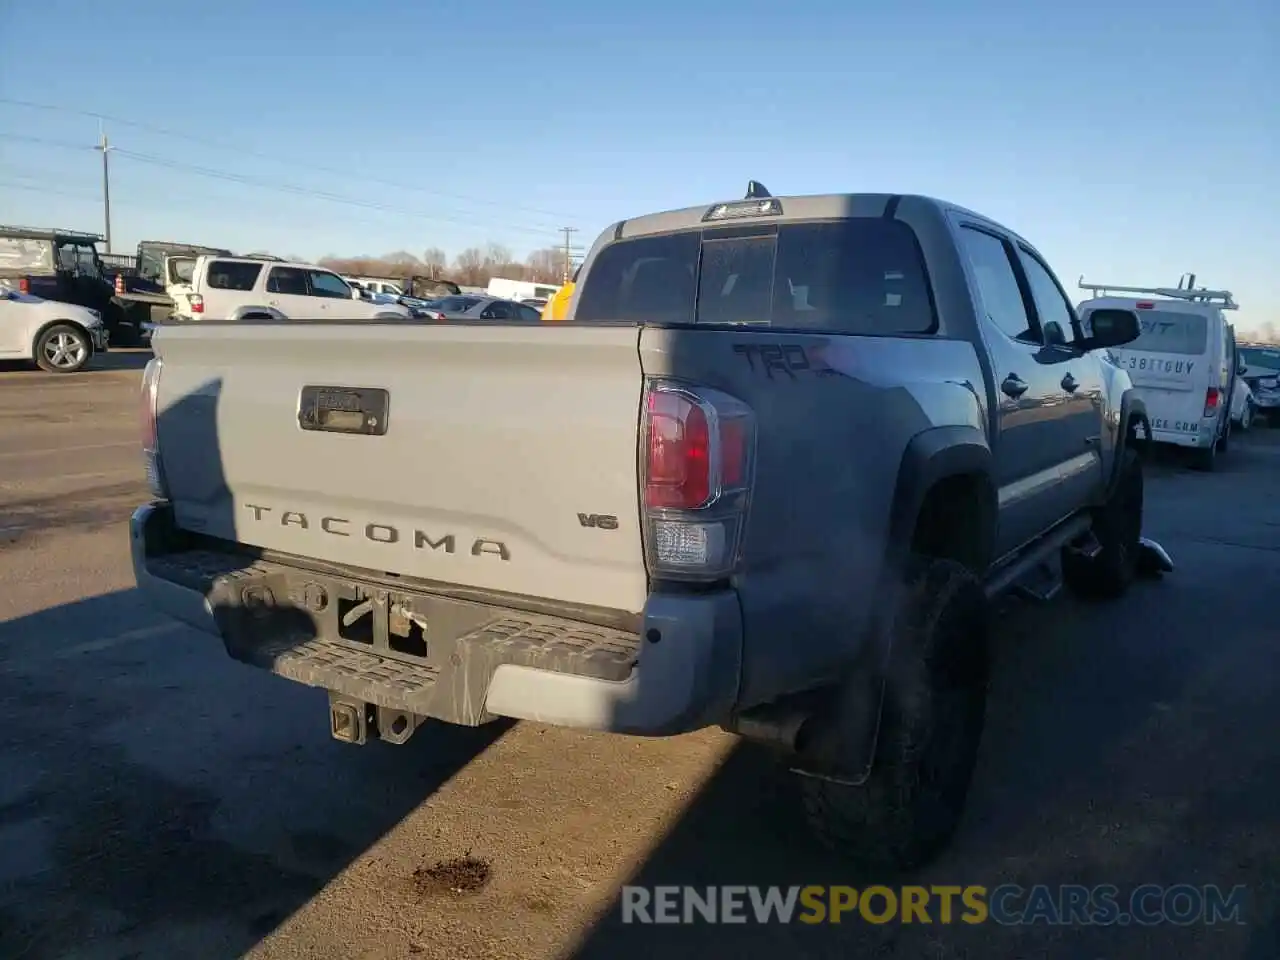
(481, 662)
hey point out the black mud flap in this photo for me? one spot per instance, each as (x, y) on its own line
(1153, 560)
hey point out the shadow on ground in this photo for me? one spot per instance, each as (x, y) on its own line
(155, 784)
(89, 509)
(124, 359)
(1126, 744)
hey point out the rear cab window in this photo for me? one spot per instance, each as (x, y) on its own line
(860, 276)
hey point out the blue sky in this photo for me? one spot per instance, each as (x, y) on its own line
(452, 123)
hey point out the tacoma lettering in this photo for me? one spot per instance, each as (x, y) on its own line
(385, 533)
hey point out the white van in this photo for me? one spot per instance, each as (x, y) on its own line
(1183, 365)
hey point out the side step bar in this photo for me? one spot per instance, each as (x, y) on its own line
(1037, 564)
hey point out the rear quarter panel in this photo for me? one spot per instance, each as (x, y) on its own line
(835, 414)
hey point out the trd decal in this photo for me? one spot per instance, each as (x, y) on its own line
(791, 359)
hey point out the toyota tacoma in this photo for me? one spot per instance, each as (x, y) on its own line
(767, 475)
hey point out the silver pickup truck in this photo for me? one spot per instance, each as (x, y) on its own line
(766, 477)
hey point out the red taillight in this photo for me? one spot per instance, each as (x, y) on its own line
(197, 303)
(679, 468)
(24, 285)
(699, 446)
(147, 408)
(733, 452)
(119, 284)
(1211, 399)
(149, 426)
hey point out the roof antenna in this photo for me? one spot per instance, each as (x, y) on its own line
(756, 190)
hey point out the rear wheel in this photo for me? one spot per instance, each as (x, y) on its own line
(1205, 458)
(930, 728)
(63, 348)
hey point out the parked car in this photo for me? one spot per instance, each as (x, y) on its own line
(1262, 374)
(58, 337)
(250, 288)
(765, 477)
(58, 265)
(1183, 365)
(478, 308)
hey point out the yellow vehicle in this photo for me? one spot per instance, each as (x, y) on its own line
(558, 305)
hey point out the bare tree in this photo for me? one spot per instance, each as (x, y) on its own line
(545, 266)
(470, 267)
(435, 260)
(496, 254)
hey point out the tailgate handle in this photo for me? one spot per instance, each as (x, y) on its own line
(361, 410)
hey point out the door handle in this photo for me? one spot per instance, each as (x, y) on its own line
(1069, 383)
(1014, 386)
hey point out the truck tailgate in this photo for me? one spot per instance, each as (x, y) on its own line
(509, 460)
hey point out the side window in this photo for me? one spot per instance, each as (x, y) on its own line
(329, 285)
(498, 310)
(230, 275)
(998, 284)
(287, 280)
(1054, 310)
(529, 314)
(19, 254)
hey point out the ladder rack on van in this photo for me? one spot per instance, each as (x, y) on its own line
(1219, 298)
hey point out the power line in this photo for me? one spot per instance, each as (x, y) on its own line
(279, 186)
(308, 192)
(569, 251)
(63, 144)
(206, 141)
(33, 188)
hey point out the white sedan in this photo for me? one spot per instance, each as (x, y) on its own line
(59, 337)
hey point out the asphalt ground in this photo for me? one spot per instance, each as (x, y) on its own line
(158, 800)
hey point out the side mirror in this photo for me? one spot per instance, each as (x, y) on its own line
(1241, 367)
(1110, 327)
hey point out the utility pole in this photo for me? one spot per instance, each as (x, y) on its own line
(105, 147)
(568, 251)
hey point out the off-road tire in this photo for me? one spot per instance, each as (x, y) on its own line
(52, 345)
(1118, 526)
(930, 728)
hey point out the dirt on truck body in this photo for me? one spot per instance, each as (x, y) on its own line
(765, 475)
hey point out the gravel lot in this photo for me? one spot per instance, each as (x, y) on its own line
(159, 801)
